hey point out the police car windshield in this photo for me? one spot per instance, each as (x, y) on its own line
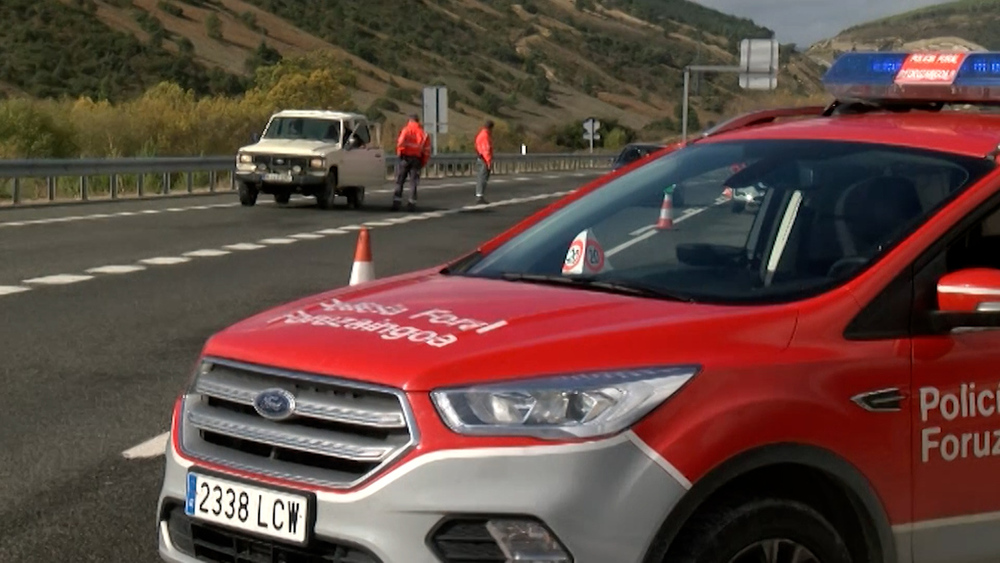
(303, 128)
(748, 222)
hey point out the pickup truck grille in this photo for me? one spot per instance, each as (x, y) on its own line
(281, 163)
(341, 433)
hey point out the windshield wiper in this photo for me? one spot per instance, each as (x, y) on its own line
(599, 285)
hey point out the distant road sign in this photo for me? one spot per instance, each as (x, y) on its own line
(435, 112)
(759, 64)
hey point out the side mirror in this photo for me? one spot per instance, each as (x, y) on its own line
(968, 299)
(254, 137)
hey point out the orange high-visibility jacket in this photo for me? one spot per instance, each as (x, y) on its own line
(484, 146)
(414, 141)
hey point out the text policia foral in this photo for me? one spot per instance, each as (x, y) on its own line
(970, 402)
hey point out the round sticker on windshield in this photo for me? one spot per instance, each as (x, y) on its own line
(595, 256)
(574, 255)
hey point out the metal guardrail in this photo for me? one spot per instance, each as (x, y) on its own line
(78, 180)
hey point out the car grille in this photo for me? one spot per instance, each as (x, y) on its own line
(341, 434)
(206, 542)
(280, 163)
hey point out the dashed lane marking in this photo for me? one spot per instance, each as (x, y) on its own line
(265, 243)
(650, 231)
(154, 447)
(59, 279)
(122, 269)
(243, 246)
(165, 260)
(12, 289)
(206, 253)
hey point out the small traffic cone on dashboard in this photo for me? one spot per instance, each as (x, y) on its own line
(363, 270)
(666, 212)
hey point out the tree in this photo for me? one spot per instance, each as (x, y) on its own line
(213, 25)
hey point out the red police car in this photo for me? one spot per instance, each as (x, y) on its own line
(810, 381)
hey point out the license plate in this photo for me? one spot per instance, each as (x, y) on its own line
(277, 177)
(265, 512)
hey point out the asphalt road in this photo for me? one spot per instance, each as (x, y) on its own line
(104, 308)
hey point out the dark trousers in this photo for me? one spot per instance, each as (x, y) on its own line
(408, 165)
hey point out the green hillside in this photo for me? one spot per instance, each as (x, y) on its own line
(972, 20)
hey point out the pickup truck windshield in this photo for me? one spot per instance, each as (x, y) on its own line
(303, 128)
(755, 221)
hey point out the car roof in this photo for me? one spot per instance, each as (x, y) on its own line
(321, 114)
(964, 133)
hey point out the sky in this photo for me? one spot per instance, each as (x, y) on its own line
(806, 21)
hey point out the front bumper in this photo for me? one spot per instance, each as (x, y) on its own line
(303, 179)
(604, 501)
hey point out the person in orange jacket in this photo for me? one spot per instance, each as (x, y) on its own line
(484, 150)
(413, 147)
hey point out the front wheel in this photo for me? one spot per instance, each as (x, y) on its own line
(327, 196)
(248, 194)
(766, 530)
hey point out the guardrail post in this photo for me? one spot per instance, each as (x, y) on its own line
(139, 185)
(211, 181)
(114, 186)
(50, 183)
(16, 193)
(83, 189)
(190, 181)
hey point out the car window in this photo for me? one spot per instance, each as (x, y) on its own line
(362, 133)
(303, 128)
(819, 212)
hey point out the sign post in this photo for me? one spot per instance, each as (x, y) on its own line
(758, 70)
(435, 112)
(590, 128)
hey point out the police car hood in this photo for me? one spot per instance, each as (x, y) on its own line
(427, 330)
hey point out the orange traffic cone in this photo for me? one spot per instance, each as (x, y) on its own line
(363, 270)
(666, 213)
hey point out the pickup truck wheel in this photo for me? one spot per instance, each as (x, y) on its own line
(356, 197)
(326, 196)
(762, 530)
(282, 198)
(248, 194)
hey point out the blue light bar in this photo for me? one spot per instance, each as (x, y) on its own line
(952, 77)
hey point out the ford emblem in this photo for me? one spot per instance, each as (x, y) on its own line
(274, 404)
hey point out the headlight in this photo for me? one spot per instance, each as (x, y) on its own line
(246, 158)
(316, 163)
(586, 405)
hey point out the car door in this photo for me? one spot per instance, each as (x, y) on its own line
(374, 156)
(956, 398)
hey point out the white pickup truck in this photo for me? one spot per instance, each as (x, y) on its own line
(325, 154)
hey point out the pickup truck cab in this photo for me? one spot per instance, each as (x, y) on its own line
(811, 381)
(322, 154)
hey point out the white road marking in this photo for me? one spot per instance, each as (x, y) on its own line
(187, 256)
(244, 246)
(59, 279)
(154, 447)
(650, 231)
(207, 253)
(378, 224)
(12, 289)
(165, 260)
(124, 269)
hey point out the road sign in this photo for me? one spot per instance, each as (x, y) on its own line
(590, 128)
(435, 112)
(759, 64)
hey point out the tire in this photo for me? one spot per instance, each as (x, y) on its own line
(732, 534)
(326, 196)
(248, 194)
(356, 198)
(281, 198)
